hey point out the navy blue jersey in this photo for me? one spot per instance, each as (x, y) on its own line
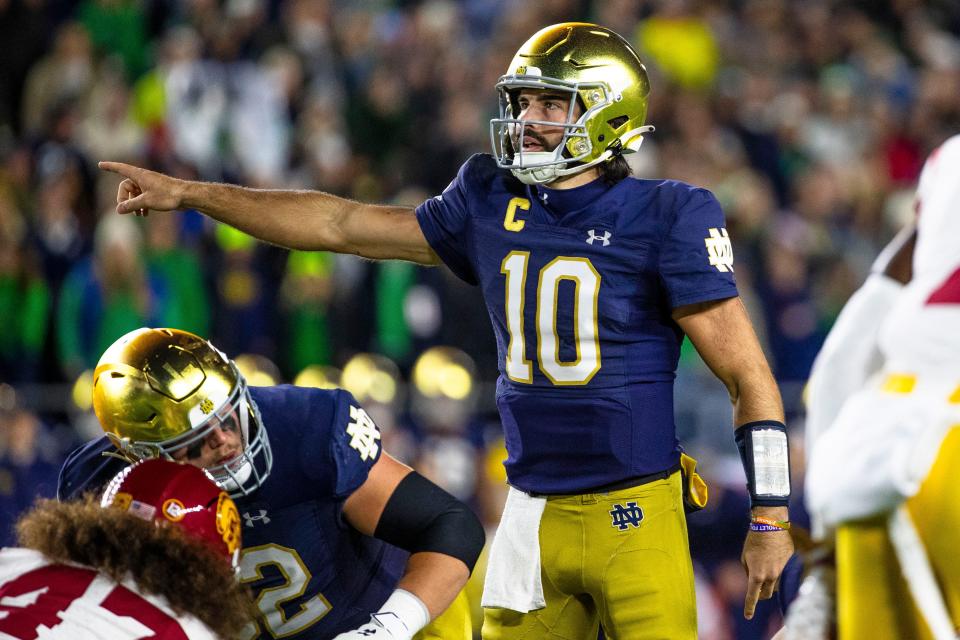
(580, 285)
(313, 575)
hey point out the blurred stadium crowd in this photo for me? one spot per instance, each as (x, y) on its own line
(809, 120)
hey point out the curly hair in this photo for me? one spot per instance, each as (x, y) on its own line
(162, 560)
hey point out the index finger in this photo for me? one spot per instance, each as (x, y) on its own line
(753, 594)
(126, 170)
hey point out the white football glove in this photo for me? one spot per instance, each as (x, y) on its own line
(400, 617)
(382, 626)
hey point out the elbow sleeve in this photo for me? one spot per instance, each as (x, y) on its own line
(420, 516)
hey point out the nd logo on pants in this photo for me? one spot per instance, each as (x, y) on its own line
(618, 559)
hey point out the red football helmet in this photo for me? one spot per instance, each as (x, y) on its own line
(159, 489)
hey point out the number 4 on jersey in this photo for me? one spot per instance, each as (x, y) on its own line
(586, 281)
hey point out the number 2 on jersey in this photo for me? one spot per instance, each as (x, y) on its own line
(270, 601)
(586, 281)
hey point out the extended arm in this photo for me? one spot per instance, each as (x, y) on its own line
(306, 220)
(723, 335)
(444, 537)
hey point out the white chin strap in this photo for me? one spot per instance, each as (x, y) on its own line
(549, 173)
(537, 175)
(546, 173)
(235, 482)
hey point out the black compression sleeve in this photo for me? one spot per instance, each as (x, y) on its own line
(420, 516)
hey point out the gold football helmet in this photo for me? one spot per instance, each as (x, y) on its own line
(603, 75)
(159, 390)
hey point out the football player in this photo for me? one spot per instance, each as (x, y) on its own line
(334, 528)
(591, 279)
(880, 477)
(155, 557)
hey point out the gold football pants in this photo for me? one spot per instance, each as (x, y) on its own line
(873, 600)
(452, 624)
(618, 559)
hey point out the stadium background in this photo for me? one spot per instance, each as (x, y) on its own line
(809, 120)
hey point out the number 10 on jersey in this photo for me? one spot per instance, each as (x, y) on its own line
(586, 283)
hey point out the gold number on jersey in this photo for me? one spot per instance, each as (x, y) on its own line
(586, 297)
(270, 601)
(514, 266)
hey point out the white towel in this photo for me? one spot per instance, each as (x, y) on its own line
(513, 569)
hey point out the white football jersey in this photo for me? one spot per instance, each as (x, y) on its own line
(920, 333)
(886, 436)
(40, 600)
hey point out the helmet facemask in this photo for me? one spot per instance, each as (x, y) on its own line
(601, 74)
(239, 476)
(246, 471)
(576, 151)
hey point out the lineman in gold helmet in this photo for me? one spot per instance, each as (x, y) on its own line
(162, 392)
(328, 516)
(591, 279)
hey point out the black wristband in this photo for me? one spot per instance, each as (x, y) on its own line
(420, 516)
(765, 454)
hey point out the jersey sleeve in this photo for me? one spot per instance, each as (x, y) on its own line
(343, 448)
(696, 259)
(445, 222)
(87, 469)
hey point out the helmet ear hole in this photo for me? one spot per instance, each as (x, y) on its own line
(619, 121)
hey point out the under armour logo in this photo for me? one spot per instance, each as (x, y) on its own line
(250, 520)
(543, 197)
(605, 238)
(363, 433)
(626, 516)
(719, 250)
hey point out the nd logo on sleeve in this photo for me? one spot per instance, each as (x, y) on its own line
(363, 433)
(719, 249)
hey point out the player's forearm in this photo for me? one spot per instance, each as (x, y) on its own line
(294, 219)
(755, 395)
(758, 403)
(435, 578)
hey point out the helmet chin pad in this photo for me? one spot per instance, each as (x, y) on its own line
(537, 174)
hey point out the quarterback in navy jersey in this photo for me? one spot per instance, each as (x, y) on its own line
(619, 258)
(591, 279)
(295, 459)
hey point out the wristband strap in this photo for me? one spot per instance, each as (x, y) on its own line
(762, 521)
(765, 455)
(758, 526)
